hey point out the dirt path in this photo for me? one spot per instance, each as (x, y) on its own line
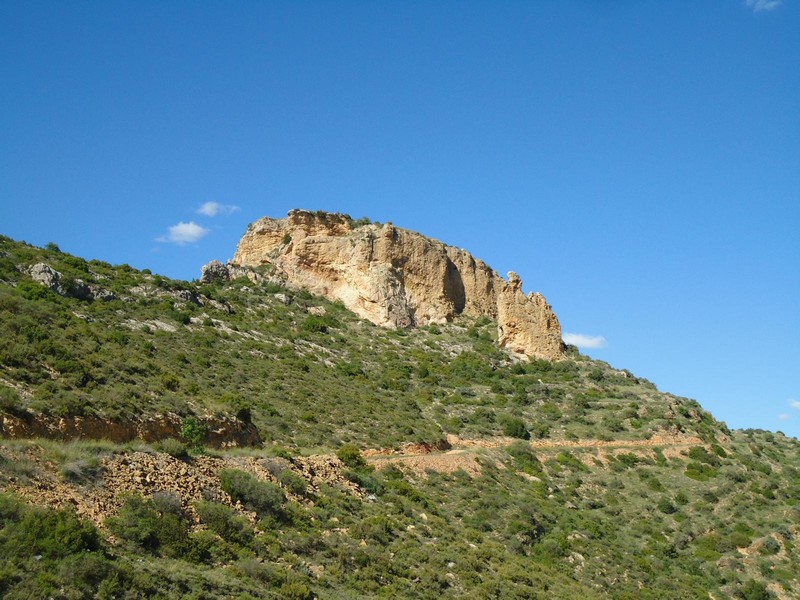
(463, 453)
(148, 473)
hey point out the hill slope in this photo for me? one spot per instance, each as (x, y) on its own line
(478, 475)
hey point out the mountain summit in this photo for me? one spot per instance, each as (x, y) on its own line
(398, 278)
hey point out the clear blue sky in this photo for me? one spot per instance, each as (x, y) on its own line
(636, 162)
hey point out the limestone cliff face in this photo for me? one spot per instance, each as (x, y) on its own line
(398, 278)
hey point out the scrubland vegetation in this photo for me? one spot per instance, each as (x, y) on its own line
(718, 518)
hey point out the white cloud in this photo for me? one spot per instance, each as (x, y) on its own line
(759, 5)
(783, 417)
(183, 233)
(212, 209)
(795, 404)
(585, 341)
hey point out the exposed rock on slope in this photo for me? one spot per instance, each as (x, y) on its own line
(217, 432)
(50, 278)
(397, 278)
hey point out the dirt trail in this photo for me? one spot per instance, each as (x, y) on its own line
(148, 473)
(463, 453)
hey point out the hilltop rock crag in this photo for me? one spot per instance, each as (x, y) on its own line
(397, 278)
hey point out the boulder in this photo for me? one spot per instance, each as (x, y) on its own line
(214, 271)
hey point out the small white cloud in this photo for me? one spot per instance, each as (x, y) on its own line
(795, 404)
(585, 341)
(783, 417)
(759, 5)
(183, 233)
(212, 209)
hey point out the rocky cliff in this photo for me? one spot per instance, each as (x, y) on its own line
(398, 278)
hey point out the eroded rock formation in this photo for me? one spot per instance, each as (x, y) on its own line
(397, 278)
(218, 432)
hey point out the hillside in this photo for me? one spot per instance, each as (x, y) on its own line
(268, 442)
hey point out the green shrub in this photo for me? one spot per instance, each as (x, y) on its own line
(10, 402)
(754, 590)
(48, 533)
(180, 316)
(193, 432)
(262, 497)
(528, 528)
(566, 459)
(378, 528)
(292, 482)
(596, 375)
(706, 547)
(155, 524)
(524, 457)
(224, 521)
(666, 506)
(769, 546)
(540, 430)
(699, 471)
(314, 324)
(514, 427)
(175, 448)
(702, 455)
(295, 590)
(82, 470)
(350, 455)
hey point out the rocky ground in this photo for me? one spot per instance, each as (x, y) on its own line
(196, 477)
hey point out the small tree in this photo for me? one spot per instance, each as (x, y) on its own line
(193, 432)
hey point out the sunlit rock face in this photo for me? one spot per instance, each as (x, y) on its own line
(398, 278)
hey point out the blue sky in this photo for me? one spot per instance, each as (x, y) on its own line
(636, 162)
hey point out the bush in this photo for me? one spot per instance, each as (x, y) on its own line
(699, 471)
(224, 521)
(193, 432)
(82, 470)
(567, 460)
(369, 481)
(754, 590)
(514, 427)
(378, 528)
(154, 524)
(666, 506)
(350, 455)
(262, 497)
(292, 482)
(10, 402)
(51, 554)
(524, 457)
(296, 590)
(769, 546)
(175, 448)
(596, 375)
(702, 455)
(314, 324)
(51, 534)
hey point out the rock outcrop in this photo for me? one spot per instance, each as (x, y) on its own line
(214, 271)
(396, 278)
(218, 432)
(47, 276)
